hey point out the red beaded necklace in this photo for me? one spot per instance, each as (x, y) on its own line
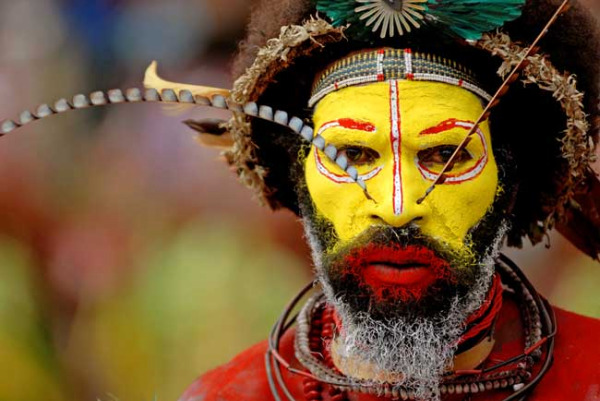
(322, 329)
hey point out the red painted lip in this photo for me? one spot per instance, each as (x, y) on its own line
(411, 268)
(405, 275)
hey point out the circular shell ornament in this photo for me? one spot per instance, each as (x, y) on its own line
(391, 16)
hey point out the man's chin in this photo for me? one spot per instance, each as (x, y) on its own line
(387, 301)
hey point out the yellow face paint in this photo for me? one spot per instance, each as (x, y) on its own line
(398, 135)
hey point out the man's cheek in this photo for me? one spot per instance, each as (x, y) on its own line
(456, 209)
(341, 204)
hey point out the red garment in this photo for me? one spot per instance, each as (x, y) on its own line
(574, 376)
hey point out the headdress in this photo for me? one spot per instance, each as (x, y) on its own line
(552, 113)
(549, 120)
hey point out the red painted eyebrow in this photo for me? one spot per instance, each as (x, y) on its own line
(350, 123)
(444, 126)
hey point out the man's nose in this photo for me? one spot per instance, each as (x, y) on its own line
(388, 210)
(396, 201)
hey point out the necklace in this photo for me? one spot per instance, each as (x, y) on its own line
(515, 372)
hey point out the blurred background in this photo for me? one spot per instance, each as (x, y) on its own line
(130, 258)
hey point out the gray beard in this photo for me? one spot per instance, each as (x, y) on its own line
(415, 350)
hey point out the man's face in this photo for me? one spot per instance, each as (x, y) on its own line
(389, 255)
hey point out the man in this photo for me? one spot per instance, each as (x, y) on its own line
(416, 302)
(409, 166)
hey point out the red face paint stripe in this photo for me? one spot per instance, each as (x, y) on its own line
(342, 179)
(458, 177)
(447, 125)
(464, 176)
(349, 123)
(396, 151)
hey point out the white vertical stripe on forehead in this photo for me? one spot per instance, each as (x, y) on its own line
(395, 138)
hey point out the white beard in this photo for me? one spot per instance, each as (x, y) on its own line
(414, 350)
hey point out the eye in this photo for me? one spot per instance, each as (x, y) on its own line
(358, 155)
(439, 155)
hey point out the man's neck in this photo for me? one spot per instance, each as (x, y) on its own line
(364, 370)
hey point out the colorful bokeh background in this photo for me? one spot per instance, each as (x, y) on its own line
(130, 258)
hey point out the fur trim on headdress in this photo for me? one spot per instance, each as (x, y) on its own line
(578, 147)
(278, 54)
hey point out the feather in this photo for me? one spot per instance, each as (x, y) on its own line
(471, 18)
(211, 132)
(340, 12)
(467, 18)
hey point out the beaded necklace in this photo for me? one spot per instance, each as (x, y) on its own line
(316, 322)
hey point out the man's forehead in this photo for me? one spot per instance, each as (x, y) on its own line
(422, 104)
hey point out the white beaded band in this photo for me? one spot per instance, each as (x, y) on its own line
(383, 65)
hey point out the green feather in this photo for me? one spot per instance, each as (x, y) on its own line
(340, 12)
(471, 18)
(466, 18)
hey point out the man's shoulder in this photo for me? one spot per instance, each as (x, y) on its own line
(577, 335)
(243, 375)
(244, 378)
(565, 316)
(575, 373)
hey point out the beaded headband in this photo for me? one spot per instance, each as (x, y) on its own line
(387, 64)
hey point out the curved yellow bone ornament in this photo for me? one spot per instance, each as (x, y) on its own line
(209, 139)
(152, 80)
(399, 135)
